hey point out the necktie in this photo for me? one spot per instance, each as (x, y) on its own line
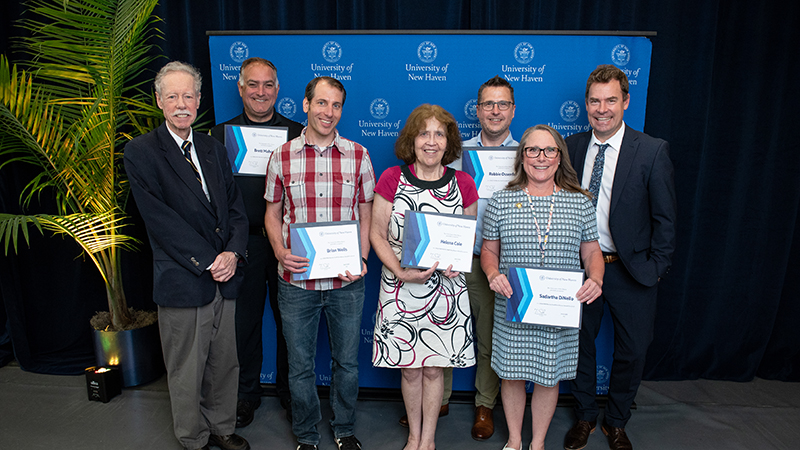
(187, 153)
(597, 173)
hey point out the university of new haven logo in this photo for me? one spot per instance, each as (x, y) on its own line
(620, 55)
(570, 111)
(471, 109)
(379, 108)
(427, 52)
(239, 51)
(603, 374)
(332, 51)
(287, 107)
(523, 52)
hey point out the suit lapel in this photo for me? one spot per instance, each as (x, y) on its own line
(580, 154)
(208, 165)
(176, 160)
(627, 153)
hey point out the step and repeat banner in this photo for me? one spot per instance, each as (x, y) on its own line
(387, 75)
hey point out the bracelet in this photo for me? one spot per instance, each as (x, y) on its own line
(364, 259)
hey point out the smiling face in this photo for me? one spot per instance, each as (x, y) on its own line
(495, 123)
(179, 102)
(324, 111)
(541, 171)
(605, 106)
(430, 144)
(258, 90)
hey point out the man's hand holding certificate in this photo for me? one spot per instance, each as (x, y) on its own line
(332, 248)
(430, 238)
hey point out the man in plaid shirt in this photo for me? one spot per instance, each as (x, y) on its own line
(320, 177)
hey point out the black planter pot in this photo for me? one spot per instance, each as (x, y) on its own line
(137, 353)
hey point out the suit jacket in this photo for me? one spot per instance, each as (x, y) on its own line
(252, 187)
(186, 230)
(642, 215)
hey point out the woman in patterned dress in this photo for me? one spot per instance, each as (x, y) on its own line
(423, 322)
(542, 218)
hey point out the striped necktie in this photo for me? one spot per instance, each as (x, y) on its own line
(187, 153)
(597, 173)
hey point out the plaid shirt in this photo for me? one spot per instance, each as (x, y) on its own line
(318, 185)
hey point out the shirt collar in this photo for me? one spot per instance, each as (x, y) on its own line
(508, 142)
(614, 141)
(179, 140)
(334, 143)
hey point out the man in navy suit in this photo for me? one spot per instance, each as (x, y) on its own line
(183, 185)
(631, 177)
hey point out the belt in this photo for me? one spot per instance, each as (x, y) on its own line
(258, 230)
(610, 257)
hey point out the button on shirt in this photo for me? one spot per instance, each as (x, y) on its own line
(609, 169)
(482, 202)
(318, 185)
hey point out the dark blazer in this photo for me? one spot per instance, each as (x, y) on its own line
(642, 216)
(186, 231)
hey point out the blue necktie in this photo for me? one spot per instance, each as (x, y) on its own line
(597, 173)
(187, 153)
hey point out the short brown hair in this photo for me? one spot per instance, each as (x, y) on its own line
(404, 146)
(603, 74)
(565, 176)
(496, 81)
(311, 87)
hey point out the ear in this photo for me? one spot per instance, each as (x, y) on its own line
(306, 105)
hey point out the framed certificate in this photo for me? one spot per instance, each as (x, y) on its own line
(249, 147)
(331, 247)
(432, 237)
(545, 296)
(491, 167)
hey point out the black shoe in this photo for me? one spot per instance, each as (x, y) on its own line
(229, 442)
(348, 443)
(244, 411)
(306, 447)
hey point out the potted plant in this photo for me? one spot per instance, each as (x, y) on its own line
(70, 113)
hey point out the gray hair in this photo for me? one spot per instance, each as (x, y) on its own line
(257, 60)
(178, 66)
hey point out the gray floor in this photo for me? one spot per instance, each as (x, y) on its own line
(52, 412)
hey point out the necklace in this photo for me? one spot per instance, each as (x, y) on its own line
(542, 242)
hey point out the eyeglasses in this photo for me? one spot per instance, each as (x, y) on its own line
(549, 152)
(501, 105)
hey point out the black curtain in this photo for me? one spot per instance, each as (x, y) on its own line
(721, 92)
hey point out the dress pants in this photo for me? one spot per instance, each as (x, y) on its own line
(481, 303)
(632, 307)
(199, 346)
(260, 272)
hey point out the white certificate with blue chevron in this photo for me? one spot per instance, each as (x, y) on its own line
(545, 296)
(432, 237)
(491, 167)
(249, 147)
(331, 247)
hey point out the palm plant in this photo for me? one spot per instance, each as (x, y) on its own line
(70, 113)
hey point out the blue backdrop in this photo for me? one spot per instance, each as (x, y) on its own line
(387, 75)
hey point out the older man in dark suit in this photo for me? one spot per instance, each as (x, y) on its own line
(193, 211)
(631, 178)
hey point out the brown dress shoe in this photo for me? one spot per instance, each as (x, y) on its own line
(578, 435)
(443, 411)
(483, 428)
(617, 439)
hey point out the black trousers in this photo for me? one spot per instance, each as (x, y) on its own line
(632, 307)
(261, 273)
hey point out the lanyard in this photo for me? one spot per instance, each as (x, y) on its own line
(542, 242)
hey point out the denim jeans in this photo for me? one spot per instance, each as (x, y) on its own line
(300, 311)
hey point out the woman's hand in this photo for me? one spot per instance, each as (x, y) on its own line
(418, 276)
(499, 283)
(589, 291)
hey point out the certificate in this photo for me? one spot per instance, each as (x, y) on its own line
(491, 167)
(545, 296)
(331, 247)
(249, 147)
(432, 237)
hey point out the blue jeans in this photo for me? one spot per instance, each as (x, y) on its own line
(300, 311)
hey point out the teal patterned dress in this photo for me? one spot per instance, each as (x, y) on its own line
(520, 351)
